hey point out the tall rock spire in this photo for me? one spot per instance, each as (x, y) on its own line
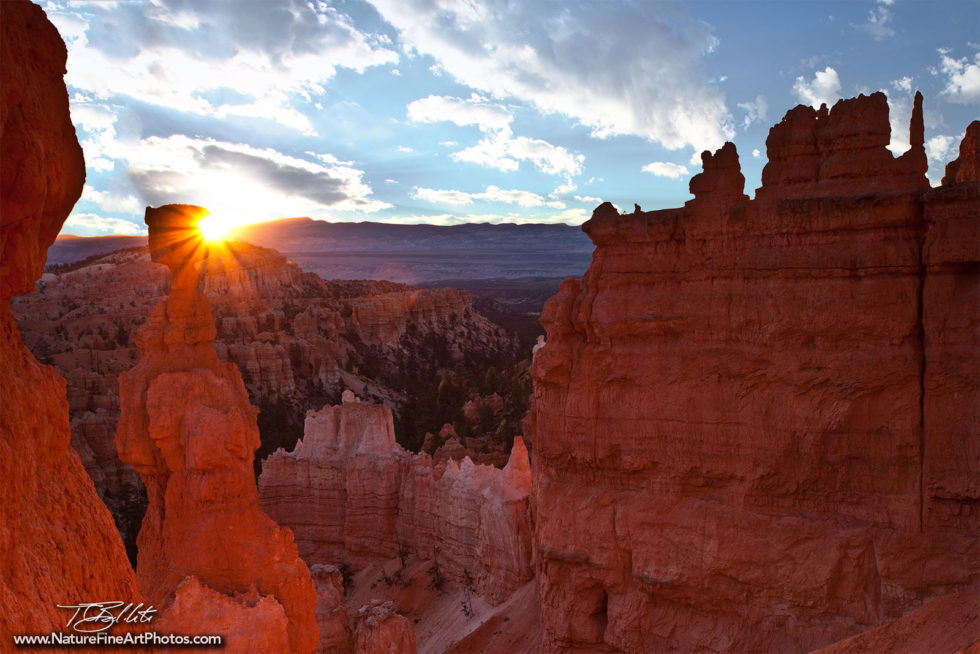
(187, 427)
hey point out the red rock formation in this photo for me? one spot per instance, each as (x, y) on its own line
(380, 630)
(331, 616)
(351, 494)
(951, 334)
(42, 168)
(948, 624)
(755, 422)
(250, 622)
(966, 167)
(57, 542)
(187, 427)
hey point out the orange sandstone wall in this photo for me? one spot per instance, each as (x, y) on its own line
(351, 494)
(58, 544)
(755, 422)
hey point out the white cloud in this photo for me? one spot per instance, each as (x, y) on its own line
(175, 54)
(405, 148)
(941, 149)
(504, 152)
(438, 196)
(475, 110)
(878, 22)
(754, 111)
(824, 88)
(522, 198)
(666, 169)
(562, 189)
(962, 77)
(588, 199)
(756, 153)
(904, 84)
(86, 223)
(499, 148)
(618, 69)
(489, 194)
(112, 201)
(242, 183)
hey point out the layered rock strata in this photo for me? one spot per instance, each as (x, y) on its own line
(187, 427)
(755, 421)
(57, 541)
(351, 494)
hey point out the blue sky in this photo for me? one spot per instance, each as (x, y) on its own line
(450, 111)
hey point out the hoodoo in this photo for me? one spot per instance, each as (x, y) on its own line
(187, 427)
(755, 421)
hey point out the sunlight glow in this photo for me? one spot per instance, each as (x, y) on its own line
(214, 227)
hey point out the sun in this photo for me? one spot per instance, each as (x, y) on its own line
(214, 228)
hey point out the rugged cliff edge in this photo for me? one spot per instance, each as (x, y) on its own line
(57, 541)
(755, 421)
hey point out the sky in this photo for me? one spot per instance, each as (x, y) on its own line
(453, 111)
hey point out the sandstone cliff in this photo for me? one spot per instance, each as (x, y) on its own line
(187, 427)
(57, 541)
(352, 495)
(755, 421)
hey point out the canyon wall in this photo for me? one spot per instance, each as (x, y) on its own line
(57, 541)
(352, 495)
(755, 421)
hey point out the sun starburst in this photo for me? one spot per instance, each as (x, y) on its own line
(214, 228)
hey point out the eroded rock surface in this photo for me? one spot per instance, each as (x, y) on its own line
(755, 422)
(187, 427)
(57, 541)
(351, 494)
(331, 616)
(381, 630)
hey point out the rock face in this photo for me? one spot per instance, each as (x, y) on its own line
(948, 624)
(755, 422)
(351, 494)
(187, 427)
(249, 621)
(57, 541)
(331, 616)
(380, 630)
(42, 168)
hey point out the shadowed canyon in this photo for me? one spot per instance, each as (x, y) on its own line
(751, 425)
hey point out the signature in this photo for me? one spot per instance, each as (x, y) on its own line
(93, 617)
